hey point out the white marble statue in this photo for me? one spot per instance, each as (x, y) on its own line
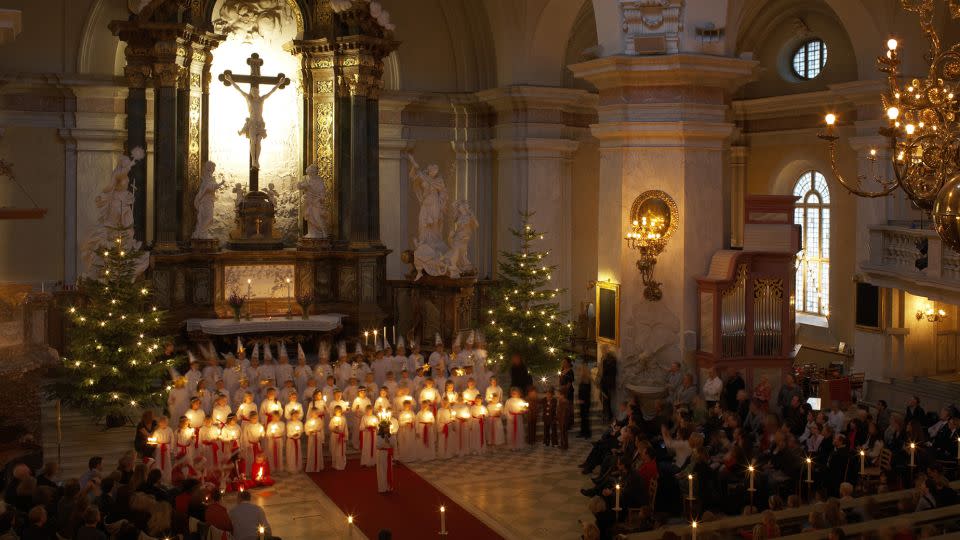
(272, 193)
(204, 200)
(250, 19)
(429, 246)
(115, 216)
(464, 225)
(314, 203)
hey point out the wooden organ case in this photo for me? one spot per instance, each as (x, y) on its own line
(746, 301)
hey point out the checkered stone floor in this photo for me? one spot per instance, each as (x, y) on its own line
(533, 493)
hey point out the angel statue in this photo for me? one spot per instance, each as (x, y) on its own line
(464, 225)
(314, 202)
(204, 200)
(115, 215)
(429, 247)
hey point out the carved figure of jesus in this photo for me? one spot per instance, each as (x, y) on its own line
(254, 128)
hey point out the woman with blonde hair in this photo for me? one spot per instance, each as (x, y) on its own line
(160, 524)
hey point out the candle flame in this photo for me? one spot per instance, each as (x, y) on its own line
(349, 520)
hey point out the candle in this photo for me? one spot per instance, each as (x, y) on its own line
(693, 531)
(152, 440)
(366, 338)
(443, 520)
(751, 470)
(690, 484)
(261, 532)
(350, 526)
(616, 503)
(384, 333)
(863, 462)
(958, 449)
(809, 470)
(913, 454)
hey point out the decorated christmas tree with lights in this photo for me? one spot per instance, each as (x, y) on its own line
(526, 318)
(111, 365)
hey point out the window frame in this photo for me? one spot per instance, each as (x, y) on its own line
(814, 192)
(803, 48)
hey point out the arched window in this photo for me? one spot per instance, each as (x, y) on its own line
(809, 59)
(812, 213)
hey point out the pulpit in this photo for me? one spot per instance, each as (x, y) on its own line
(747, 298)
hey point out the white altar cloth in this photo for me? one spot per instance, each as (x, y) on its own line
(226, 327)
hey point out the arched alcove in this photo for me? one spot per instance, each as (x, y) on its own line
(99, 51)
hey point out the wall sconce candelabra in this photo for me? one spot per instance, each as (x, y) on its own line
(653, 219)
(931, 313)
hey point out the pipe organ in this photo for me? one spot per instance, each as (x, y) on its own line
(746, 300)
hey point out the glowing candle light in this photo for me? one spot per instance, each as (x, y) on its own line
(913, 454)
(863, 462)
(443, 520)
(690, 484)
(261, 532)
(616, 503)
(693, 531)
(751, 470)
(809, 470)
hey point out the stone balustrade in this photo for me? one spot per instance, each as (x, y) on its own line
(892, 262)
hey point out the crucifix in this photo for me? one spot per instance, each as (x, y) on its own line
(254, 128)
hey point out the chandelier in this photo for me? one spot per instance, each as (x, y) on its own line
(922, 130)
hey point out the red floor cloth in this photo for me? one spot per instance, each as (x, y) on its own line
(411, 512)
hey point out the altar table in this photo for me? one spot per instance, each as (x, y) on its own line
(226, 327)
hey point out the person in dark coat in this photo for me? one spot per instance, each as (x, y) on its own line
(519, 374)
(608, 383)
(584, 398)
(734, 385)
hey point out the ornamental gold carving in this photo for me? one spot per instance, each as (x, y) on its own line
(324, 87)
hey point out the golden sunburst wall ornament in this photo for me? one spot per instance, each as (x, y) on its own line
(922, 130)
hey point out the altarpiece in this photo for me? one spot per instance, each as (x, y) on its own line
(307, 75)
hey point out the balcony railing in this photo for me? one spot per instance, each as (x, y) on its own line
(893, 262)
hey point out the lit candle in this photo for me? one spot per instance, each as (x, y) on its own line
(809, 470)
(690, 484)
(751, 470)
(443, 520)
(350, 526)
(616, 503)
(863, 462)
(913, 454)
(384, 333)
(366, 338)
(693, 531)
(261, 532)
(958, 449)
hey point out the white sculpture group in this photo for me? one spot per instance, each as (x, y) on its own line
(314, 203)
(432, 253)
(204, 201)
(115, 217)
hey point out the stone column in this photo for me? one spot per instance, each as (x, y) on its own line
(536, 135)
(137, 73)
(395, 198)
(738, 190)
(190, 128)
(167, 70)
(474, 176)
(662, 126)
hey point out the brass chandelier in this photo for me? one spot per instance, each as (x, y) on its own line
(923, 130)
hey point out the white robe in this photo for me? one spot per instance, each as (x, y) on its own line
(427, 433)
(210, 446)
(446, 434)
(494, 425)
(163, 456)
(385, 451)
(516, 417)
(368, 435)
(301, 374)
(478, 425)
(276, 434)
(251, 441)
(339, 432)
(294, 448)
(358, 408)
(314, 428)
(178, 401)
(407, 437)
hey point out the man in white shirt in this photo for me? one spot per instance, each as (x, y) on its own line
(712, 388)
(247, 518)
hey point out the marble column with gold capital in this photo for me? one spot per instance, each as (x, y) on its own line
(169, 57)
(662, 126)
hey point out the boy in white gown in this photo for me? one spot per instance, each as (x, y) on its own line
(238, 396)
(439, 360)
(385, 453)
(292, 450)
(163, 457)
(309, 390)
(231, 373)
(462, 413)
(276, 435)
(323, 369)
(209, 436)
(478, 427)
(270, 405)
(284, 393)
(470, 393)
(195, 414)
(446, 430)
(293, 405)
(430, 395)
(493, 389)
(251, 441)
(221, 409)
(427, 432)
(494, 423)
(284, 371)
(184, 438)
(357, 409)
(368, 435)
(371, 386)
(339, 431)
(314, 431)
(415, 361)
(229, 439)
(301, 372)
(382, 402)
(247, 408)
(516, 409)
(407, 437)
(390, 384)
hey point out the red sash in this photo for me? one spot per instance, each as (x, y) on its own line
(196, 439)
(515, 420)
(341, 443)
(164, 449)
(389, 452)
(182, 450)
(446, 436)
(426, 433)
(215, 449)
(480, 418)
(276, 455)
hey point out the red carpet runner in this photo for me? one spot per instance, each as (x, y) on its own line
(411, 512)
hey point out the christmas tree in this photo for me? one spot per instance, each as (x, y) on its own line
(111, 364)
(526, 318)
